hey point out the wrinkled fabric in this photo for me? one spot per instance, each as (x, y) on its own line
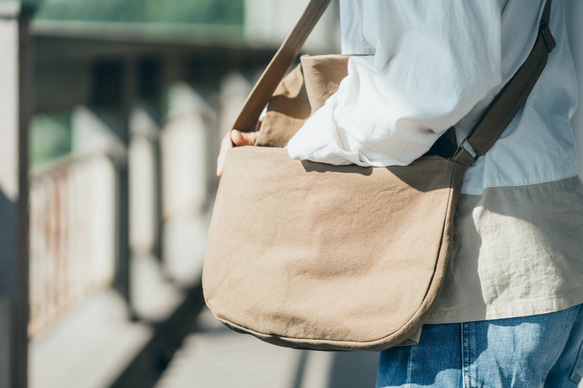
(516, 251)
(439, 64)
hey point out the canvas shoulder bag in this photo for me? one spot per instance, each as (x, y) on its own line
(310, 255)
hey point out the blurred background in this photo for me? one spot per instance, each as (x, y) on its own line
(111, 116)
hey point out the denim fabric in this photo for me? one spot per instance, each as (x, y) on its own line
(535, 351)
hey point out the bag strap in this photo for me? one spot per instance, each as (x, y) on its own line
(512, 97)
(275, 71)
(484, 134)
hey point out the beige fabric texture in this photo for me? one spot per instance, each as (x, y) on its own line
(299, 95)
(332, 269)
(516, 251)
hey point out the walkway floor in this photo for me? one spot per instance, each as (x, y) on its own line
(215, 357)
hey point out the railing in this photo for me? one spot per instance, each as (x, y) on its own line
(72, 234)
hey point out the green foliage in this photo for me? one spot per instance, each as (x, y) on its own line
(228, 12)
(50, 137)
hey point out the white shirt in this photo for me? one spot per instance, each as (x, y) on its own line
(435, 64)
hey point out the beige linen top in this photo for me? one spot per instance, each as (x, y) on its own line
(517, 251)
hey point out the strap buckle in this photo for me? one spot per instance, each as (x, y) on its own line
(465, 154)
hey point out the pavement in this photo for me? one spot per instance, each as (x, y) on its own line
(215, 357)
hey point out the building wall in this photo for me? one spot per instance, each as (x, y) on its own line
(269, 22)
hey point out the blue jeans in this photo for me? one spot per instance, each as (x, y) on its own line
(535, 351)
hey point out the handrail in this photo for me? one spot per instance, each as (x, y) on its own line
(115, 152)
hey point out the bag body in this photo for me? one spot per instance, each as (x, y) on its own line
(310, 255)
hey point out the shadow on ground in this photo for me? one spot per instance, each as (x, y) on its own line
(215, 357)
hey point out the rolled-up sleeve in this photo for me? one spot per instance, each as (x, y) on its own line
(432, 62)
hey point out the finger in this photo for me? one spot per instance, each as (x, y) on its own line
(244, 138)
(222, 158)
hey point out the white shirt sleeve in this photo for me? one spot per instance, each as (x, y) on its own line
(432, 62)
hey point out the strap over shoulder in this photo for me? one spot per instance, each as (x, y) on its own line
(279, 65)
(511, 99)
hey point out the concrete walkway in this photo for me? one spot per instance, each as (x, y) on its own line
(215, 357)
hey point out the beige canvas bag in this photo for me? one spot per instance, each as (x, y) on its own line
(310, 255)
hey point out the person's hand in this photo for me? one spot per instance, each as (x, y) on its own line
(239, 139)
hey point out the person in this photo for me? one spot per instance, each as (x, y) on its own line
(509, 313)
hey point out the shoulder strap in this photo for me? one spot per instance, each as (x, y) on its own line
(509, 101)
(279, 65)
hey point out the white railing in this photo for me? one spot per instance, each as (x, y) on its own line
(72, 235)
